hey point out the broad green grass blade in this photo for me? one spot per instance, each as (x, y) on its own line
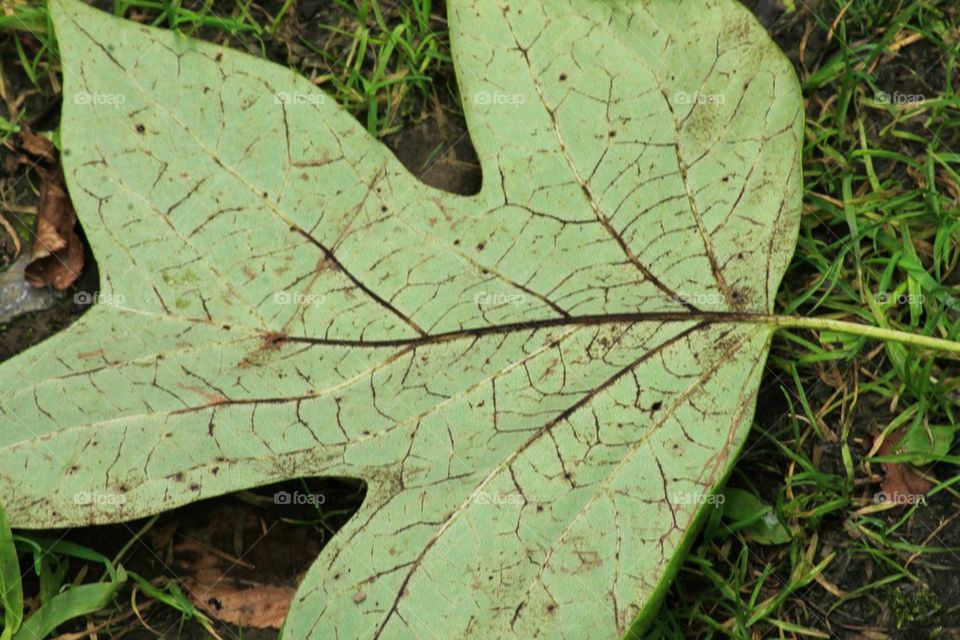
(74, 602)
(11, 590)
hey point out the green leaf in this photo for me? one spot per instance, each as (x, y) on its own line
(922, 444)
(11, 589)
(539, 384)
(72, 603)
(746, 511)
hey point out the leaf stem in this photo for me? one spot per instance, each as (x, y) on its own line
(865, 330)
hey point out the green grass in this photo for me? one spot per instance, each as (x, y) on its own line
(384, 61)
(879, 244)
(372, 60)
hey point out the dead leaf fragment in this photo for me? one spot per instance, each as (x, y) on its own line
(37, 146)
(262, 606)
(14, 238)
(58, 250)
(247, 584)
(215, 586)
(902, 483)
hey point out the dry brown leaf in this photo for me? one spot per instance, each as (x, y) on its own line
(12, 235)
(37, 146)
(236, 566)
(260, 606)
(901, 483)
(211, 580)
(58, 250)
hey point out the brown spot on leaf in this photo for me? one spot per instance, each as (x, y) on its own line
(211, 396)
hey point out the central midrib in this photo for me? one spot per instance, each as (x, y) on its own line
(708, 317)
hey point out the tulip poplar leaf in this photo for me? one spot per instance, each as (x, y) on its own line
(539, 383)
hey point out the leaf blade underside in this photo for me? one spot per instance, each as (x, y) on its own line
(290, 301)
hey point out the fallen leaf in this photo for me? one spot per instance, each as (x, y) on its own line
(236, 567)
(210, 581)
(902, 483)
(756, 517)
(57, 250)
(13, 238)
(538, 383)
(37, 146)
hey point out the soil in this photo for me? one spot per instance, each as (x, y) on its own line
(276, 548)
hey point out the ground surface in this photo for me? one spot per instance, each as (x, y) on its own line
(882, 209)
